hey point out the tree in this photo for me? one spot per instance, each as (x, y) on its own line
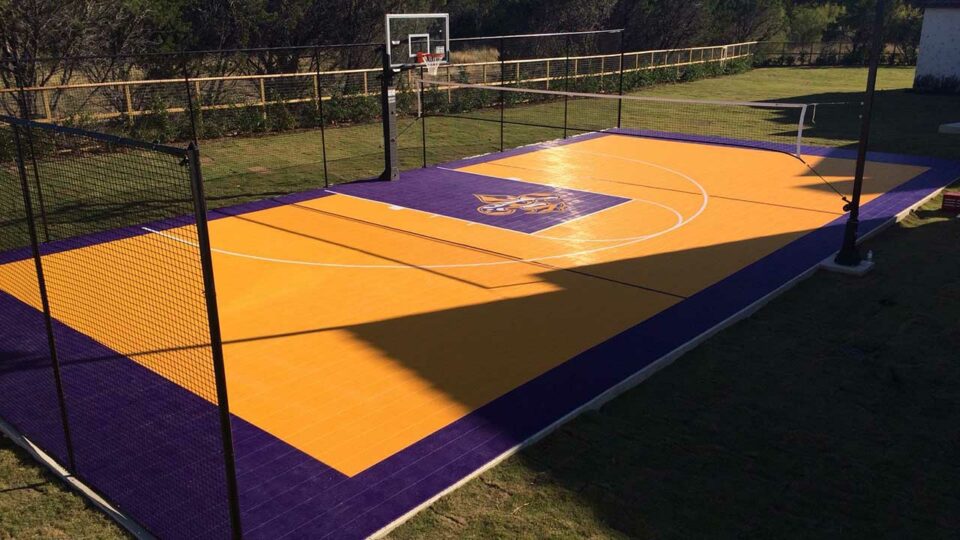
(747, 20)
(809, 23)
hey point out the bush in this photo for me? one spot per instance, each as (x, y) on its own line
(154, 124)
(250, 120)
(7, 146)
(279, 118)
(341, 109)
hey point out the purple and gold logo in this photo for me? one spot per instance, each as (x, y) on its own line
(530, 203)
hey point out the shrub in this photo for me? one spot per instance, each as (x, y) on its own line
(279, 118)
(348, 109)
(250, 120)
(155, 123)
(7, 146)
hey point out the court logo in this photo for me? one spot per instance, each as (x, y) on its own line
(530, 203)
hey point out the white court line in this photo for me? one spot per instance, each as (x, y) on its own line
(535, 234)
(321, 264)
(602, 210)
(703, 193)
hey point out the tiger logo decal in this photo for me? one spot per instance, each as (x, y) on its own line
(530, 203)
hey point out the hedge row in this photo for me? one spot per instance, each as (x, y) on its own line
(856, 58)
(470, 99)
(159, 124)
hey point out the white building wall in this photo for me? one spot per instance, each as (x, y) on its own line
(940, 43)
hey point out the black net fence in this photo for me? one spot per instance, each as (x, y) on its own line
(284, 120)
(526, 115)
(504, 92)
(106, 359)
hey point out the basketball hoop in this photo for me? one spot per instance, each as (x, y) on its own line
(431, 61)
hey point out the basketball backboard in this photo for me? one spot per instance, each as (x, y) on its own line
(410, 33)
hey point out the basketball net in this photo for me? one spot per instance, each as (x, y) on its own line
(431, 61)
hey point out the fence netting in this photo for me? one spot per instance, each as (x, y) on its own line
(281, 120)
(532, 115)
(28, 392)
(130, 327)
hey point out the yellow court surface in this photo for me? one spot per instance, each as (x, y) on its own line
(363, 320)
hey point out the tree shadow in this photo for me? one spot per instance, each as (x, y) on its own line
(808, 419)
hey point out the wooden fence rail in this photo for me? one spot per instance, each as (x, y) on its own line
(115, 99)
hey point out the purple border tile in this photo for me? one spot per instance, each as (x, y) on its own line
(287, 493)
(161, 461)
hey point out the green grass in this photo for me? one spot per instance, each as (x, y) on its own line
(35, 504)
(247, 168)
(832, 412)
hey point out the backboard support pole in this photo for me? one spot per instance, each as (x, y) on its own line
(388, 107)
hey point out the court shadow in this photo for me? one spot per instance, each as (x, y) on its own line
(806, 420)
(777, 426)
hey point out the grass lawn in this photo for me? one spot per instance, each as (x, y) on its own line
(34, 504)
(831, 412)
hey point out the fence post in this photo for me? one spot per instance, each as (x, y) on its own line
(566, 81)
(503, 82)
(128, 99)
(216, 344)
(423, 120)
(449, 88)
(45, 95)
(19, 78)
(318, 93)
(620, 83)
(263, 98)
(190, 110)
(42, 289)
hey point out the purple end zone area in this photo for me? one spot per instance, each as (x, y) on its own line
(287, 494)
(499, 202)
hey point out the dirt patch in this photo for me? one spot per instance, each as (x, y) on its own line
(259, 170)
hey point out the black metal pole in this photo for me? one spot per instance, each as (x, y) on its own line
(323, 134)
(849, 254)
(503, 82)
(216, 342)
(388, 107)
(566, 82)
(20, 77)
(190, 108)
(423, 121)
(44, 300)
(620, 84)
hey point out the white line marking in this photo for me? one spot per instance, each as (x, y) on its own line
(703, 193)
(627, 242)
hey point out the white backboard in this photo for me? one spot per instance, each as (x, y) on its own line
(410, 33)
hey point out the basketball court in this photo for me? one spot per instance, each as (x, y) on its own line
(384, 340)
